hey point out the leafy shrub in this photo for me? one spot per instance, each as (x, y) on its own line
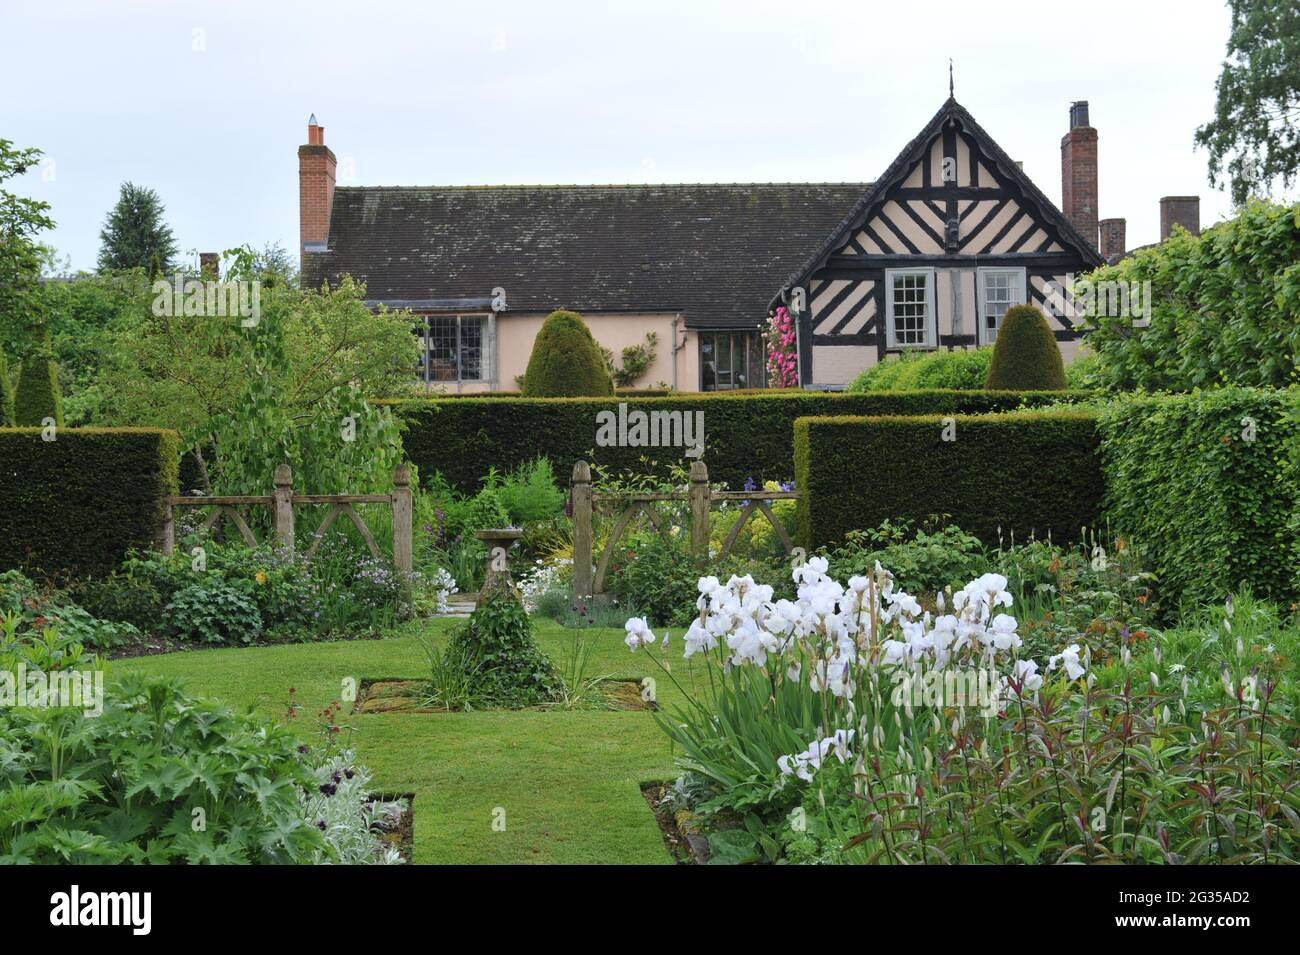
(1224, 307)
(121, 596)
(529, 493)
(926, 562)
(126, 786)
(462, 438)
(1208, 485)
(214, 610)
(961, 369)
(1084, 373)
(882, 375)
(36, 397)
(1026, 474)
(80, 503)
(496, 645)
(30, 610)
(1026, 356)
(566, 361)
(656, 579)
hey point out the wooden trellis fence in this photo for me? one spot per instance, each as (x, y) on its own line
(282, 503)
(588, 583)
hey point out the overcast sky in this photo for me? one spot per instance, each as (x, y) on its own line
(207, 102)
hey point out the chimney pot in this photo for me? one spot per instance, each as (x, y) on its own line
(1180, 210)
(209, 266)
(1079, 113)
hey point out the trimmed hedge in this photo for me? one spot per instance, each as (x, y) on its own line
(1208, 508)
(746, 435)
(1025, 474)
(76, 504)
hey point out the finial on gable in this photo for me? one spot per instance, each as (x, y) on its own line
(950, 92)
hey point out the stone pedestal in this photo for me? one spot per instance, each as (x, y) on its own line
(499, 540)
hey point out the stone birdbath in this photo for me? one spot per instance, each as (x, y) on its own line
(499, 540)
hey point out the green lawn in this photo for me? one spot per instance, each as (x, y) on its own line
(568, 781)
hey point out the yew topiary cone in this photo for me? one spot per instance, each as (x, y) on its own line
(6, 395)
(36, 396)
(1026, 356)
(566, 361)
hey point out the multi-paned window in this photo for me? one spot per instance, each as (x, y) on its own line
(455, 348)
(999, 289)
(909, 301)
(730, 360)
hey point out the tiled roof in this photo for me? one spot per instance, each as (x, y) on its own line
(716, 253)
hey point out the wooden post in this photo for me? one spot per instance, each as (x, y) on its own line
(169, 527)
(403, 512)
(282, 508)
(699, 510)
(582, 532)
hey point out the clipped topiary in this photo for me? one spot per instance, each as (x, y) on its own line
(1026, 356)
(36, 396)
(6, 394)
(566, 361)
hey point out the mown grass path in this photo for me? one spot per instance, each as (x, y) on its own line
(568, 782)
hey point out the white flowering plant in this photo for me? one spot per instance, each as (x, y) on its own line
(928, 734)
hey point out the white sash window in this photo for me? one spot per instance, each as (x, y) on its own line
(998, 289)
(909, 304)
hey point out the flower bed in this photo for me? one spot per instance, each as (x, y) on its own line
(862, 723)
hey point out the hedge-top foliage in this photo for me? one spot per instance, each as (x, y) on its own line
(1025, 474)
(78, 503)
(1026, 356)
(745, 435)
(566, 361)
(36, 396)
(6, 394)
(1207, 486)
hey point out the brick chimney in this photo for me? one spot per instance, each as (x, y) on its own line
(1180, 210)
(1113, 239)
(316, 165)
(1079, 173)
(210, 266)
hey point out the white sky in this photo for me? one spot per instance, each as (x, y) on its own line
(207, 102)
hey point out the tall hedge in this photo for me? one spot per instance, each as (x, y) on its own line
(1026, 474)
(6, 394)
(1207, 485)
(76, 504)
(36, 396)
(566, 361)
(745, 435)
(1026, 356)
